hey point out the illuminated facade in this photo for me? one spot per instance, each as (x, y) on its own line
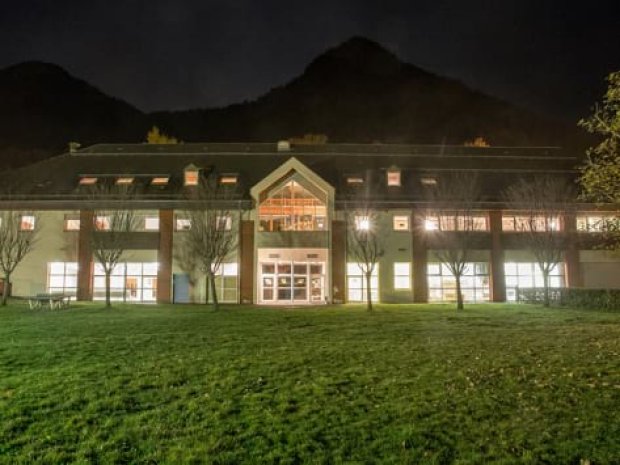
(290, 219)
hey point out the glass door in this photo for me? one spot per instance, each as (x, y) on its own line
(291, 282)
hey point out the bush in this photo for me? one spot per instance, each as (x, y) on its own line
(590, 299)
(593, 299)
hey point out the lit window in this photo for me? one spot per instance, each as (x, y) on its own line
(393, 178)
(401, 223)
(224, 223)
(355, 180)
(475, 284)
(402, 275)
(183, 224)
(362, 223)
(597, 223)
(124, 180)
(62, 278)
(151, 223)
(88, 181)
(160, 181)
(27, 223)
(428, 181)
(191, 177)
(129, 282)
(356, 283)
(431, 223)
(528, 275)
(226, 278)
(102, 223)
(228, 179)
(521, 223)
(72, 223)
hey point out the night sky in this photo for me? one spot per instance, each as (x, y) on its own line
(547, 55)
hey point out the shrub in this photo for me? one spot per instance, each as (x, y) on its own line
(590, 299)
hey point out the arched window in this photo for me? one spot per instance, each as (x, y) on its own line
(292, 207)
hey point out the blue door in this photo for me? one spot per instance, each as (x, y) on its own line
(180, 288)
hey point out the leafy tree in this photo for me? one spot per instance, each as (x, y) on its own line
(541, 202)
(113, 223)
(453, 199)
(364, 240)
(600, 175)
(211, 238)
(155, 136)
(15, 243)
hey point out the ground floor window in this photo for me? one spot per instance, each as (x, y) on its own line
(62, 278)
(474, 283)
(226, 278)
(130, 282)
(356, 283)
(528, 275)
(402, 275)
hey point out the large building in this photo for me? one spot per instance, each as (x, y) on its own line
(290, 217)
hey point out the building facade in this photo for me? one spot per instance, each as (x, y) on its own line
(290, 216)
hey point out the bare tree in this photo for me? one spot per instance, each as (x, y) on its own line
(454, 227)
(210, 239)
(17, 239)
(113, 222)
(364, 240)
(540, 203)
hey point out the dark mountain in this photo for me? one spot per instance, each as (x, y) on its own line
(355, 92)
(360, 92)
(42, 108)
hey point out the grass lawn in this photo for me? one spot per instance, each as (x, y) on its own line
(406, 384)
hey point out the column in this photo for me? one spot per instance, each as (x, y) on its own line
(498, 279)
(420, 258)
(246, 261)
(571, 255)
(85, 267)
(164, 256)
(338, 260)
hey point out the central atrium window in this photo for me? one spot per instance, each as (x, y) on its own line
(292, 208)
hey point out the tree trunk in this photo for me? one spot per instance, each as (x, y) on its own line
(459, 295)
(216, 305)
(5, 288)
(546, 300)
(108, 302)
(368, 293)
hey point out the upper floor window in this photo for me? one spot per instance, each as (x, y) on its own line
(521, 223)
(224, 223)
(125, 180)
(428, 181)
(595, 223)
(160, 181)
(102, 223)
(88, 180)
(228, 179)
(72, 222)
(27, 223)
(393, 178)
(434, 222)
(151, 223)
(401, 223)
(292, 207)
(362, 223)
(355, 179)
(182, 224)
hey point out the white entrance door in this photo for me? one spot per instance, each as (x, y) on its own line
(293, 283)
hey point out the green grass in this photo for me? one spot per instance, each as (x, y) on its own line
(405, 384)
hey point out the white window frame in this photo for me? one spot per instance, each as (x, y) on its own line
(397, 219)
(401, 277)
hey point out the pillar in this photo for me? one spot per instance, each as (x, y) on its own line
(164, 256)
(246, 261)
(572, 263)
(498, 278)
(85, 265)
(420, 258)
(338, 261)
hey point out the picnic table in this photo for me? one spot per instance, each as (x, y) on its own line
(51, 301)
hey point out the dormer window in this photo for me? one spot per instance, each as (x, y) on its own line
(355, 180)
(191, 176)
(125, 180)
(88, 180)
(393, 178)
(160, 181)
(228, 179)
